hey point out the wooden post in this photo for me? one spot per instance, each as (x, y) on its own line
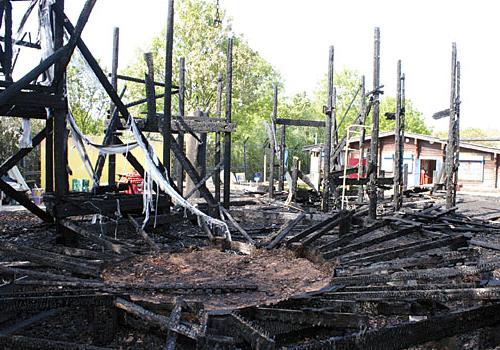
(399, 144)
(180, 137)
(217, 157)
(7, 55)
(405, 177)
(450, 147)
(282, 170)
(328, 125)
(227, 135)
(372, 191)
(167, 99)
(60, 136)
(295, 176)
(456, 137)
(272, 142)
(114, 83)
(361, 147)
(149, 79)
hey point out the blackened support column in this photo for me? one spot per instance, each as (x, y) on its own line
(450, 147)
(328, 124)
(167, 100)
(227, 135)
(218, 113)
(372, 190)
(114, 83)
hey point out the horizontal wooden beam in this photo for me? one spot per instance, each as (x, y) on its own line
(23, 43)
(301, 122)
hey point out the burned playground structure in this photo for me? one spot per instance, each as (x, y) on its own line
(342, 265)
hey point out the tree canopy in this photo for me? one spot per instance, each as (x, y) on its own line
(204, 44)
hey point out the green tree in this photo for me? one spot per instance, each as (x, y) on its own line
(87, 99)
(204, 47)
(347, 84)
(474, 133)
(414, 122)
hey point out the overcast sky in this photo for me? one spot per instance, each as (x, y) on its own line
(295, 35)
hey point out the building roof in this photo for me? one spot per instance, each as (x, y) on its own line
(433, 139)
(486, 149)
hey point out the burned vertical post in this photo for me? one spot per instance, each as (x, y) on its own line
(60, 136)
(456, 136)
(180, 138)
(218, 112)
(49, 152)
(361, 146)
(373, 169)
(295, 177)
(114, 83)
(167, 100)
(149, 79)
(282, 171)
(227, 135)
(399, 143)
(328, 124)
(7, 55)
(272, 141)
(450, 147)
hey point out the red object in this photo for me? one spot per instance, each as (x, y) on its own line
(134, 181)
(353, 163)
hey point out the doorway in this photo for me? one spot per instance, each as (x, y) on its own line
(427, 169)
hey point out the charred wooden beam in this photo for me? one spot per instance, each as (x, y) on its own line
(174, 318)
(227, 135)
(8, 52)
(272, 142)
(257, 338)
(143, 234)
(27, 343)
(180, 137)
(406, 250)
(368, 243)
(317, 317)
(427, 274)
(300, 122)
(284, 231)
(412, 333)
(39, 303)
(330, 106)
(399, 143)
(313, 229)
(237, 225)
(217, 151)
(344, 239)
(162, 322)
(450, 165)
(114, 83)
(282, 170)
(93, 237)
(374, 146)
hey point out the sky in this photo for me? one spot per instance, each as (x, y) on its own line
(294, 36)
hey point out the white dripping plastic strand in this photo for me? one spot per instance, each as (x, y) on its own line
(79, 145)
(152, 174)
(79, 141)
(107, 149)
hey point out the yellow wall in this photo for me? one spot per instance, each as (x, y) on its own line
(78, 169)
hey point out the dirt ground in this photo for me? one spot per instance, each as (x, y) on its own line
(278, 274)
